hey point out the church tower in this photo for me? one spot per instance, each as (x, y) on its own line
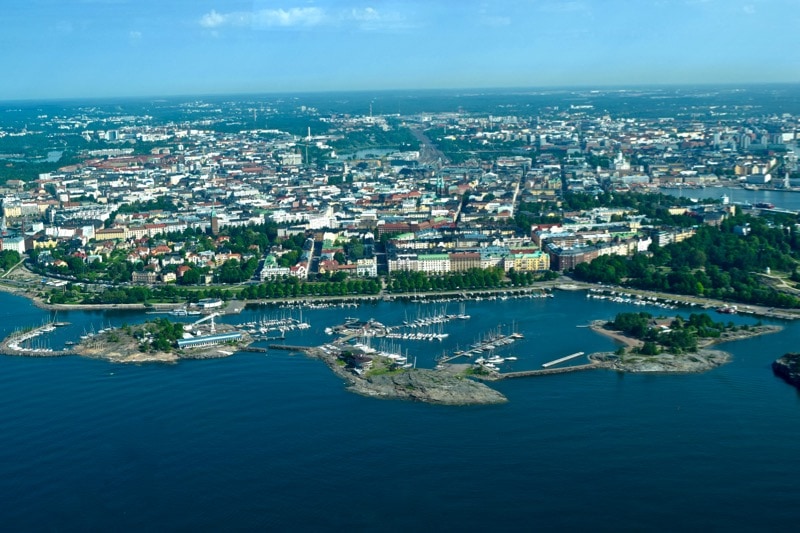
(214, 223)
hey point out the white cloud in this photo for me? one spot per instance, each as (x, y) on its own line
(370, 19)
(749, 9)
(213, 19)
(265, 18)
(363, 18)
(135, 35)
(295, 16)
(366, 14)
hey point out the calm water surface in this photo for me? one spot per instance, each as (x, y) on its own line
(781, 199)
(274, 441)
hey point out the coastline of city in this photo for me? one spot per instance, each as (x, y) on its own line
(221, 281)
(352, 265)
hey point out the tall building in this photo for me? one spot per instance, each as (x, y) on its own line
(214, 223)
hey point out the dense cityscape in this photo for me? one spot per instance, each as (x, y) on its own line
(354, 265)
(140, 202)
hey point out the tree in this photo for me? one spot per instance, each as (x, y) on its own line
(649, 348)
(9, 258)
(190, 277)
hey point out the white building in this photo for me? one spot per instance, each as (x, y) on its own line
(367, 268)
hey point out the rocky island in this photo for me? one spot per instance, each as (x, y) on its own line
(386, 380)
(788, 368)
(691, 363)
(157, 341)
(429, 386)
(670, 345)
(146, 343)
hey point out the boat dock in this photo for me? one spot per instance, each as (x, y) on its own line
(20, 342)
(558, 361)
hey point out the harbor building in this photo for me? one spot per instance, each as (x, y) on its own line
(208, 340)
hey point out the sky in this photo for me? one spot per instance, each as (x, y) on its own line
(117, 48)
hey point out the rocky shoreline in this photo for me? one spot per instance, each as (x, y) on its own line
(117, 347)
(422, 385)
(703, 360)
(788, 368)
(666, 363)
(428, 386)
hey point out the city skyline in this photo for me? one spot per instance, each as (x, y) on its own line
(119, 48)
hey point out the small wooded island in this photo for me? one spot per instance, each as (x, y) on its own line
(671, 344)
(162, 341)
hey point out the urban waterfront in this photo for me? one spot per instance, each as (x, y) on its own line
(780, 199)
(275, 441)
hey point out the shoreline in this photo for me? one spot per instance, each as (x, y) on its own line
(703, 360)
(569, 285)
(415, 384)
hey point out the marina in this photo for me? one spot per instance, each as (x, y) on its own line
(28, 342)
(268, 395)
(272, 328)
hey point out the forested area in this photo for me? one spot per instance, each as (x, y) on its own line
(716, 263)
(474, 278)
(680, 336)
(654, 207)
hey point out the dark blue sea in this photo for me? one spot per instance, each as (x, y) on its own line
(275, 442)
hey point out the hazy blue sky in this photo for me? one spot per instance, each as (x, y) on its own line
(75, 48)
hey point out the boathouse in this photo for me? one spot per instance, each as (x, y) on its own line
(208, 340)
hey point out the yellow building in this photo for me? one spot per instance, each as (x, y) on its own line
(535, 262)
(44, 243)
(116, 233)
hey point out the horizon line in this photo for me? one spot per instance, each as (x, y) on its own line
(582, 87)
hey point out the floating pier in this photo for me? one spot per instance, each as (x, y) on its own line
(563, 359)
